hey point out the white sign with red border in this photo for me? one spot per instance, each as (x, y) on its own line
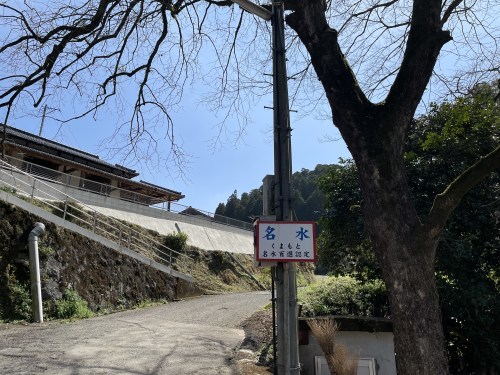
(283, 241)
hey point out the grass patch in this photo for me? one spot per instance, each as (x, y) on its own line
(73, 212)
(148, 303)
(8, 189)
(215, 271)
(44, 250)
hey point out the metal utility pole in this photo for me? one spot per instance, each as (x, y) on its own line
(286, 286)
(43, 120)
(2, 141)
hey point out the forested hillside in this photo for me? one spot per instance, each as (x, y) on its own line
(307, 198)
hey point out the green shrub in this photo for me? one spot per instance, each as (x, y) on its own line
(17, 298)
(176, 241)
(72, 306)
(20, 296)
(344, 295)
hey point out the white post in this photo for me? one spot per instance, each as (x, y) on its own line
(36, 290)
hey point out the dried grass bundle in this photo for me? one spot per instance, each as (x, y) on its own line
(337, 357)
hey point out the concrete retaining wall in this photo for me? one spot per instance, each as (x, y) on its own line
(201, 233)
(9, 198)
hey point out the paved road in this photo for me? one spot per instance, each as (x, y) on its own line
(195, 336)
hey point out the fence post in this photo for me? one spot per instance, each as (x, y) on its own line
(65, 208)
(33, 190)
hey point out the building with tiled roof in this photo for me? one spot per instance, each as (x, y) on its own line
(67, 165)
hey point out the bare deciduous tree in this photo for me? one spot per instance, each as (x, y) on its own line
(130, 57)
(375, 60)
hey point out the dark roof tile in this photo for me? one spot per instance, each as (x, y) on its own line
(17, 135)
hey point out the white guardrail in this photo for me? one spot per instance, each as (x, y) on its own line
(37, 191)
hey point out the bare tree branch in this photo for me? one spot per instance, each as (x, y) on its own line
(425, 40)
(322, 44)
(449, 10)
(99, 49)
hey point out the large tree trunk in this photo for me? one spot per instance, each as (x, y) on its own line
(406, 254)
(405, 250)
(418, 332)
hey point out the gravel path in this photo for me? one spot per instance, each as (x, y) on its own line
(195, 336)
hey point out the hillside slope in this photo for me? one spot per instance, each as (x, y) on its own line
(104, 278)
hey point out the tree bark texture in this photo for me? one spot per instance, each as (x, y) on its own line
(405, 250)
(406, 255)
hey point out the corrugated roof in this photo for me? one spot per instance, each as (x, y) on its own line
(150, 185)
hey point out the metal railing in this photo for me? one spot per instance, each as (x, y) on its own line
(69, 209)
(182, 209)
(64, 179)
(80, 183)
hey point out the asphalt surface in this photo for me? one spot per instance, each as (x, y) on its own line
(195, 336)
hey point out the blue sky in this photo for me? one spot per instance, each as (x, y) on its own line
(211, 175)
